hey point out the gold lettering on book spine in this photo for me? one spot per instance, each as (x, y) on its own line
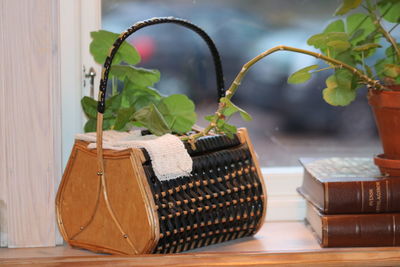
(371, 197)
(378, 196)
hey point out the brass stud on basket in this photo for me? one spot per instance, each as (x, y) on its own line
(125, 236)
(99, 173)
(81, 228)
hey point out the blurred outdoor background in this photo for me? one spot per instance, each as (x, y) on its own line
(289, 121)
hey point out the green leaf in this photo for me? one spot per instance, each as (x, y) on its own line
(366, 47)
(114, 103)
(390, 9)
(179, 113)
(336, 95)
(391, 53)
(108, 124)
(220, 123)
(110, 110)
(226, 128)
(104, 40)
(344, 78)
(380, 67)
(108, 114)
(136, 124)
(229, 111)
(245, 116)
(229, 128)
(90, 125)
(89, 106)
(301, 75)
(369, 71)
(127, 98)
(210, 117)
(124, 116)
(356, 34)
(142, 98)
(138, 97)
(138, 76)
(339, 45)
(321, 40)
(356, 22)
(151, 118)
(346, 6)
(317, 40)
(346, 57)
(385, 68)
(335, 26)
(363, 51)
(391, 70)
(233, 109)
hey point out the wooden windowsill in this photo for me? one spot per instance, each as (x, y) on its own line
(277, 244)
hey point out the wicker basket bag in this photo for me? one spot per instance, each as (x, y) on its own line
(110, 201)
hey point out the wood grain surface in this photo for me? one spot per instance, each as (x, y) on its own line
(276, 244)
(3, 124)
(30, 137)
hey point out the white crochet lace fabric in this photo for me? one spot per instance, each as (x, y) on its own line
(168, 155)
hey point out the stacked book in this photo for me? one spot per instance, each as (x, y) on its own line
(350, 204)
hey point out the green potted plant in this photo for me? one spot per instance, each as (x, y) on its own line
(347, 46)
(133, 101)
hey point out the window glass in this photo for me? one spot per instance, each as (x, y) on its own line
(289, 121)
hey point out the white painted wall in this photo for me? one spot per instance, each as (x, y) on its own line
(30, 109)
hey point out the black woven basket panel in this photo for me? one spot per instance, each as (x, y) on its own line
(220, 201)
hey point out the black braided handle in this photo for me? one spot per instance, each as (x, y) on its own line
(153, 21)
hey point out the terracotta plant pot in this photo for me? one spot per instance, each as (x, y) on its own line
(386, 108)
(390, 167)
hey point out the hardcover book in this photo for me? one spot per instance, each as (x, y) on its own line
(348, 185)
(354, 230)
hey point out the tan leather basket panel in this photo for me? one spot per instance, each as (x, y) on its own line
(84, 216)
(128, 199)
(103, 233)
(80, 190)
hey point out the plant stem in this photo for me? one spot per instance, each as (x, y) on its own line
(394, 27)
(235, 84)
(363, 61)
(327, 68)
(385, 34)
(113, 87)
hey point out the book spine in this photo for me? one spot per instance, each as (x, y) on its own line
(377, 196)
(360, 230)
